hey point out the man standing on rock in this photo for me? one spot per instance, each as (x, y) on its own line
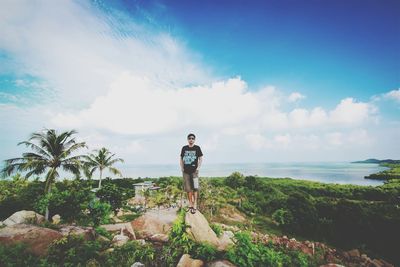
(190, 161)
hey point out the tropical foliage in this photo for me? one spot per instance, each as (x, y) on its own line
(50, 152)
(101, 160)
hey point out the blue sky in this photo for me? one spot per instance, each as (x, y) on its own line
(327, 49)
(257, 80)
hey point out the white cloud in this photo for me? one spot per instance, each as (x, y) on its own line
(295, 96)
(394, 95)
(140, 93)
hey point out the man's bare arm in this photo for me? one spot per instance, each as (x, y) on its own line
(181, 163)
(199, 162)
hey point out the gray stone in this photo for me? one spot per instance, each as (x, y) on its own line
(24, 216)
(37, 239)
(138, 264)
(221, 263)
(187, 261)
(56, 219)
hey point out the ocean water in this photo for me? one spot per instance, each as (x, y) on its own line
(327, 172)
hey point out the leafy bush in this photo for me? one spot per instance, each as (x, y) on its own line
(72, 251)
(69, 199)
(112, 194)
(217, 229)
(130, 253)
(247, 253)
(99, 212)
(16, 256)
(235, 180)
(102, 231)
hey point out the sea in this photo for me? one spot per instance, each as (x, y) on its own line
(326, 172)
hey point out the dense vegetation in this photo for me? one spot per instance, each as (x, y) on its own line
(392, 173)
(346, 216)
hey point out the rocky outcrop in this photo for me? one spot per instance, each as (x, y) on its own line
(38, 239)
(220, 263)
(187, 261)
(24, 216)
(200, 231)
(126, 228)
(87, 232)
(154, 222)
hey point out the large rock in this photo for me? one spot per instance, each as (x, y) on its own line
(154, 222)
(187, 261)
(56, 219)
(87, 232)
(221, 263)
(200, 230)
(38, 239)
(24, 216)
(120, 240)
(126, 227)
(225, 240)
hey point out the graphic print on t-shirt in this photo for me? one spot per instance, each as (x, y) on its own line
(189, 157)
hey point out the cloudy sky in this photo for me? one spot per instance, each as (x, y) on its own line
(257, 81)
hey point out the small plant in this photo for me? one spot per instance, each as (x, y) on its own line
(217, 229)
(130, 253)
(16, 255)
(102, 231)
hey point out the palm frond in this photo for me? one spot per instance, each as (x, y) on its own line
(115, 171)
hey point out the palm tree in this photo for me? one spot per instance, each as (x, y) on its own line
(51, 151)
(102, 159)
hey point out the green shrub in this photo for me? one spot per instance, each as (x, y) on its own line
(72, 251)
(217, 229)
(128, 254)
(102, 231)
(16, 256)
(247, 253)
(235, 180)
(99, 212)
(111, 194)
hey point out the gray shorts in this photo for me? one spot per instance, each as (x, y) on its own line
(188, 184)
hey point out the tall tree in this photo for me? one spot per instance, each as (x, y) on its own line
(102, 159)
(50, 152)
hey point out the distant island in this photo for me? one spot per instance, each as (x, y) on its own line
(390, 161)
(392, 173)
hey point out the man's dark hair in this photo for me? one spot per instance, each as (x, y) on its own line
(191, 134)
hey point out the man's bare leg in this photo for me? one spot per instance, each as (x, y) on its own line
(190, 198)
(195, 196)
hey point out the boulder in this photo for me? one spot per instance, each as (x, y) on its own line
(220, 263)
(56, 219)
(127, 229)
(154, 222)
(38, 239)
(200, 230)
(120, 240)
(138, 264)
(187, 261)
(87, 232)
(24, 216)
(225, 240)
(161, 238)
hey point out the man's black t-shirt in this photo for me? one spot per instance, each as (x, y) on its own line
(190, 157)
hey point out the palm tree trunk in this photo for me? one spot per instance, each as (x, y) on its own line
(101, 174)
(47, 207)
